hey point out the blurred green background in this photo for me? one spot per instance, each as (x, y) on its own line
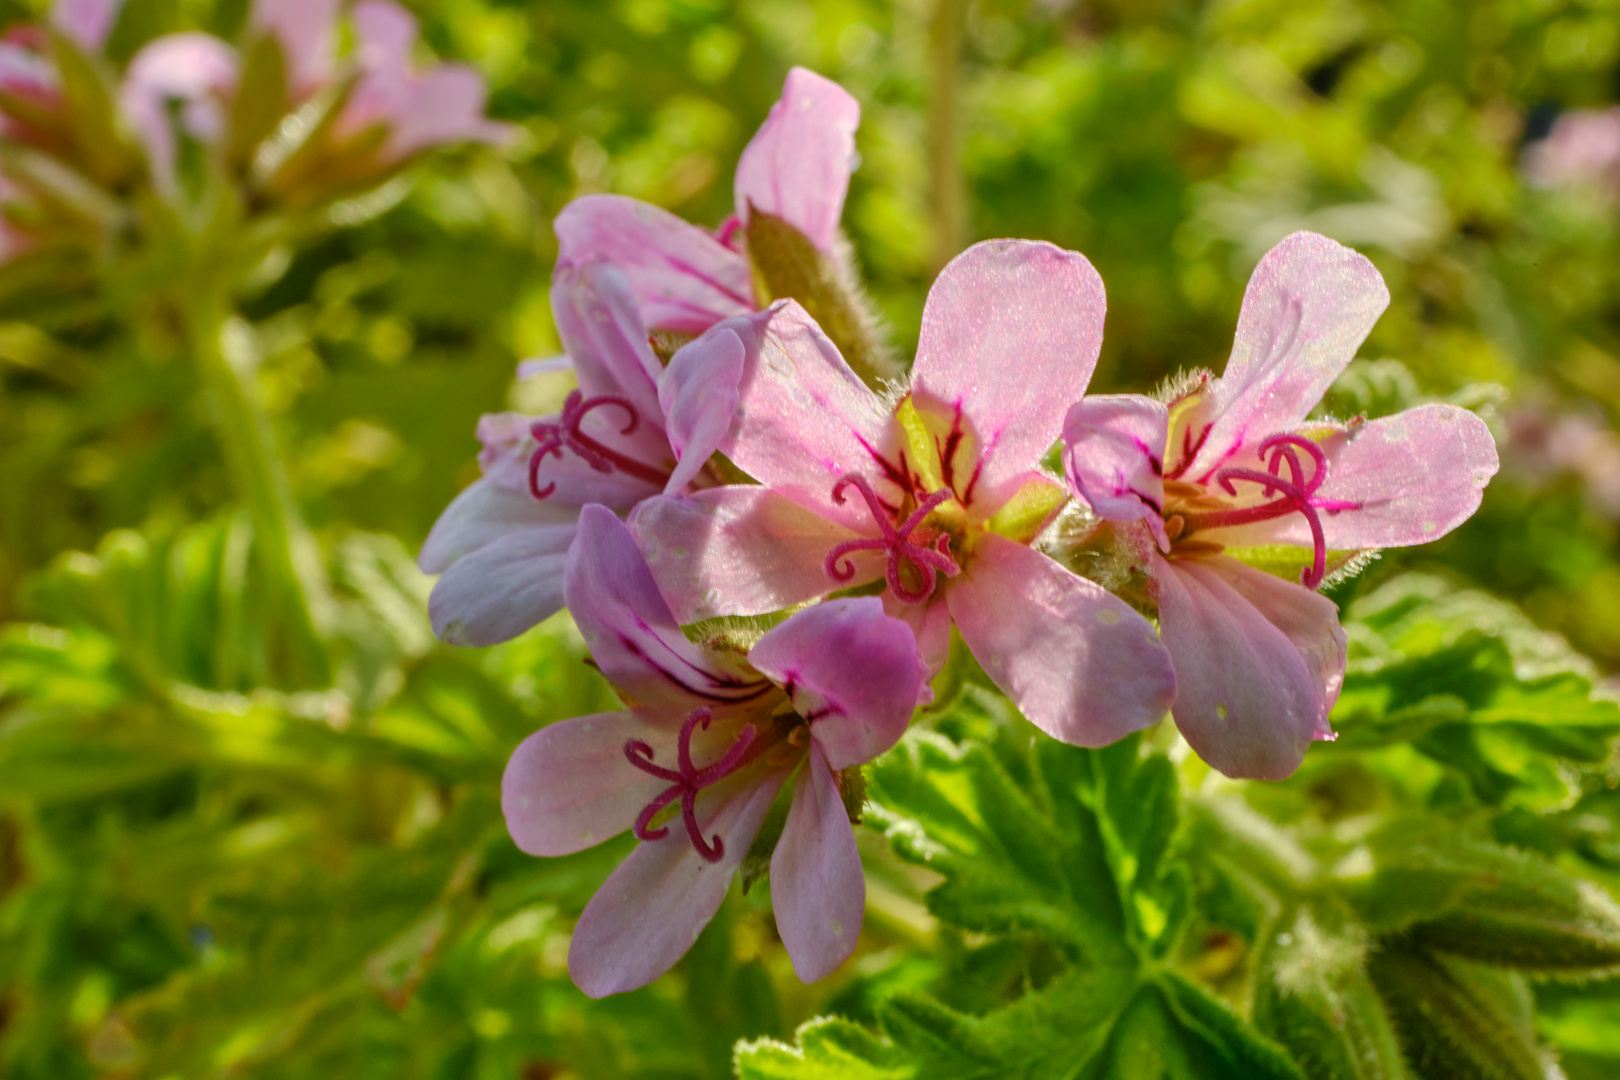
(206, 869)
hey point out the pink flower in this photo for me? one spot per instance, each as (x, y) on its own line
(196, 73)
(501, 544)
(1582, 150)
(796, 168)
(87, 22)
(306, 30)
(1234, 469)
(26, 71)
(939, 496)
(695, 762)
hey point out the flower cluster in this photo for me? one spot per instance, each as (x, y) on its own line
(280, 119)
(1170, 563)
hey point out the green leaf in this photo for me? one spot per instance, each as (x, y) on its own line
(787, 265)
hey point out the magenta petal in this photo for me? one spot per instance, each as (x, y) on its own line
(87, 22)
(698, 392)
(1248, 702)
(597, 318)
(817, 888)
(1010, 336)
(484, 513)
(1114, 457)
(1077, 661)
(503, 588)
(685, 279)
(797, 167)
(850, 670)
(632, 635)
(1310, 304)
(1417, 475)
(741, 550)
(651, 909)
(569, 786)
(805, 419)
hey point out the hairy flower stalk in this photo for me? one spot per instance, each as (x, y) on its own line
(713, 736)
(1233, 474)
(952, 490)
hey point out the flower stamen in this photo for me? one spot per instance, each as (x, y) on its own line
(566, 433)
(686, 781)
(929, 561)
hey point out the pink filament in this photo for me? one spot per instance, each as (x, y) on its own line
(929, 561)
(1296, 495)
(566, 432)
(686, 782)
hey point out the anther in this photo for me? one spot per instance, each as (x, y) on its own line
(686, 780)
(928, 560)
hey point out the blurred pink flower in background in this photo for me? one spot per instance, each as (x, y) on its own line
(1582, 150)
(1546, 443)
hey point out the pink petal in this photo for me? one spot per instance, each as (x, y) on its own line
(698, 392)
(1309, 620)
(817, 889)
(569, 787)
(1114, 457)
(651, 909)
(685, 279)
(1010, 336)
(503, 588)
(1248, 702)
(931, 624)
(87, 22)
(1079, 664)
(1417, 475)
(387, 33)
(634, 639)
(804, 419)
(797, 167)
(444, 105)
(305, 30)
(26, 73)
(484, 513)
(741, 550)
(849, 669)
(1310, 304)
(195, 70)
(597, 318)
(509, 444)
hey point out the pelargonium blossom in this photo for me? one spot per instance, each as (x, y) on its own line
(501, 544)
(935, 498)
(687, 278)
(1235, 470)
(694, 764)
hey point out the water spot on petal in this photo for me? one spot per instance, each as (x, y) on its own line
(1108, 616)
(1222, 711)
(1431, 527)
(837, 928)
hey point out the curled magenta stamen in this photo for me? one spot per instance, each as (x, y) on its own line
(553, 437)
(686, 780)
(929, 561)
(1294, 495)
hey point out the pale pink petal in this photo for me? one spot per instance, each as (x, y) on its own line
(305, 30)
(804, 419)
(685, 279)
(1010, 336)
(698, 392)
(1247, 701)
(1310, 304)
(596, 314)
(741, 550)
(509, 444)
(26, 73)
(1306, 618)
(87, 22)
(569, 786)
(850, 670)
(930, 623)
(817, 888)
(387, 34)
(651, 909)
(1114, 457)
(1077, 661)
(441, 106)
(1416, 475)
(197, 72)
(633, 637)
(797, 167)
(484, 513)
(498, 591)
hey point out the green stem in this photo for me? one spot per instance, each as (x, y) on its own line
(944, 156)
(287, 553)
